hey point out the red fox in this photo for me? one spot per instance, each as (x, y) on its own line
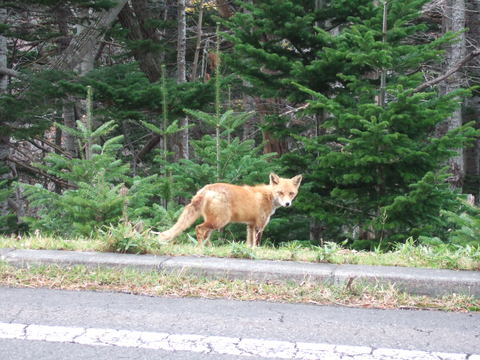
(220, 204)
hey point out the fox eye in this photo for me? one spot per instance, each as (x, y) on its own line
(280, 193)
(291, 194)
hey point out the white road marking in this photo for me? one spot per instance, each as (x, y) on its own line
(214, 344)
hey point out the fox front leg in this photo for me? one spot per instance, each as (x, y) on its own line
(258, 237)
(258, 232)
(250, 236)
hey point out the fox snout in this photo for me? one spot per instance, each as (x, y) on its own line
(283, 201)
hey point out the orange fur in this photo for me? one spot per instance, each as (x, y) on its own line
(220, 204)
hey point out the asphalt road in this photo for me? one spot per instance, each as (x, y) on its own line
(51, 324)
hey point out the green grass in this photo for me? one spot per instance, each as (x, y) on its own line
(128, 240)
(158, 284)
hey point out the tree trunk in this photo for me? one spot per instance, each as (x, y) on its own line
(81, 44)
(69, 120)
(249, 126)
(144, 15)
(199, 41)
(454, 20)
(149, 62)
(87, 60)
(181, 75)
(68, 106)
(472, 108)
(3, 54)
(272, 144)
(181, 42)
(80, 55)
(4, 140)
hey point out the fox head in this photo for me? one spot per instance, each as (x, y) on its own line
(284, 190)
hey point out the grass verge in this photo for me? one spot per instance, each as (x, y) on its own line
(157, 284)
(408, 254)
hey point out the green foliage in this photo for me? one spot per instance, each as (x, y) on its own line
(416, 213)
(325, 253)
(434, 252)
(171, 129)
(126, 237)
(130, 95)
(465, 226)
(40, 93)
(241, 251)
(141, 197)
(78, 212)
(290, 39)
(144, 197)
(86, 170)
(228, 121)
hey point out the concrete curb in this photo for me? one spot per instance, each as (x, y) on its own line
(417, 281)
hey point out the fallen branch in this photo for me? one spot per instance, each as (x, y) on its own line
(148, 146)
(303, 107)
(35, 170)
(10, 72)
(449, 73)
(52, 145)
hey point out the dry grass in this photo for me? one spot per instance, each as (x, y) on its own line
(158, 284)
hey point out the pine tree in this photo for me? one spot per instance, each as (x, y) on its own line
(94, 181)
(374, 150)
(93, 197)
(277, 42)
(378, 163)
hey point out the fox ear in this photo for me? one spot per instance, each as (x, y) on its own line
(274, 179)
(297, 180)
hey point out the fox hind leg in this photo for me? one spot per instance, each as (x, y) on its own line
(204, 231)
(215, 217)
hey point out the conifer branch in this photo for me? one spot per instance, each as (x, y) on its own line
(449, 73)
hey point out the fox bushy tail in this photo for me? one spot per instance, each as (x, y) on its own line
(190, 213)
